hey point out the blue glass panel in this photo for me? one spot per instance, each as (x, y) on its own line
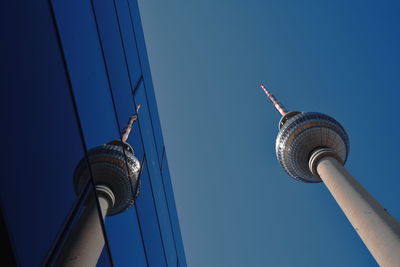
(135, 16)
(151, 100)
(135, 138)
(146, 128)
(85, 63)
(84, 204)
(124, 235)
(155, 176)
(172, 211)
(123, 230)
(128, 37)
(43, 142)
(149, 222)
(125, 240)
(117, 68)
(114, 55)
(104, 260)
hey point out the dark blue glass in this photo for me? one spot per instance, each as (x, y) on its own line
(70, 82)
(82, 49)
(156, 181)
(115, 60)
(123, 229)
(125, 239)
(117, 67)
(149, 222)
(155, 120)
(41, 164)
(68, 230)
(172, 211)
(89, 76)
(44, 143)
(148, 84)
(129, 41)
(104, 260)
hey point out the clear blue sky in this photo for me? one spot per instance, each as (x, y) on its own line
(236, 205)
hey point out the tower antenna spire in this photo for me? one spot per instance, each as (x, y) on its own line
(128, 127)
(279, 107)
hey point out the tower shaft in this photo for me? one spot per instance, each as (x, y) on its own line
(86, 241)
(313, 147)
(377, 228)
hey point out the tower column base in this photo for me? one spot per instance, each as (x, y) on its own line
(377, 228)
(86, 241)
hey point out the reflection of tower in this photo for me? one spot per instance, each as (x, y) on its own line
(115, 171)
(313, 147)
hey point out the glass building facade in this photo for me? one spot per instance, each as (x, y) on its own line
(72, 74)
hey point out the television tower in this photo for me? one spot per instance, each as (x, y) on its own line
(115, 171)
(313, 147)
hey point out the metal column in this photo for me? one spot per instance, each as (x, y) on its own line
(86, 241)
(377, 228)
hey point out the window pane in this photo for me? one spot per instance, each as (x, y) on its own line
(149, 222)
(104, 260)
(172, 210)
(86, 67)
(43, 142)
(128, 36)
(155, 179)
(82, 226)
(135, 16)
(123, 229)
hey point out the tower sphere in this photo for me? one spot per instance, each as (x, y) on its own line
(113, 165)
(300, 134)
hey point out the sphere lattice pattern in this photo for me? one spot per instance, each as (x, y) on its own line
(303, 133)
(115, 166)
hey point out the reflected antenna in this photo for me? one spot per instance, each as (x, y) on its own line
(128, 127)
